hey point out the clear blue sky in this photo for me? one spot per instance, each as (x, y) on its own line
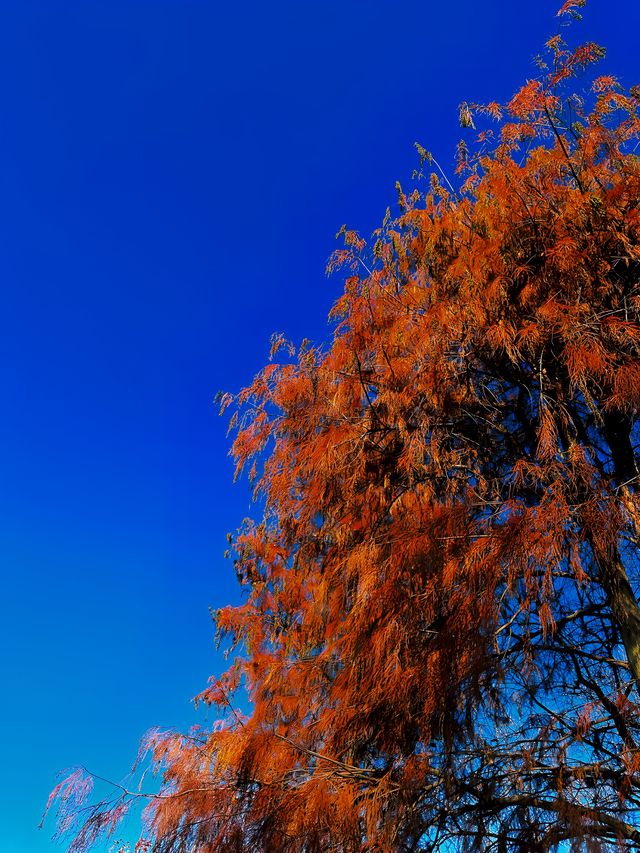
(171, 178)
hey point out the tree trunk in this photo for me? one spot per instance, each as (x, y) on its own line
(623, 603)
(613, 574)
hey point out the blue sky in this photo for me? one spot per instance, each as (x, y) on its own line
(172, 175)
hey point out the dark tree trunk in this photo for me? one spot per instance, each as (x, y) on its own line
(613, 574)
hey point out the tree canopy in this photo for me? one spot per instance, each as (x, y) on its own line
(440, 635)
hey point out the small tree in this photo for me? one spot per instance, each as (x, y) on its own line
(441, 634)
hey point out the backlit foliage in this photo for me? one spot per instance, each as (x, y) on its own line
(440, 637)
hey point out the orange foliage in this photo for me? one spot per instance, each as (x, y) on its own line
(439, 635)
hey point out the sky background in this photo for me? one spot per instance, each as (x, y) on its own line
(172, 175)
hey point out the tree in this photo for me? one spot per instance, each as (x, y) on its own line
(440, 638)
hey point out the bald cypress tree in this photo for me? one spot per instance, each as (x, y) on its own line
(440, 636)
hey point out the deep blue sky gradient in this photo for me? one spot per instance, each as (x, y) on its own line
(171, 178)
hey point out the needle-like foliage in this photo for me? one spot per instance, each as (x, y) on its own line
(440, 637)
